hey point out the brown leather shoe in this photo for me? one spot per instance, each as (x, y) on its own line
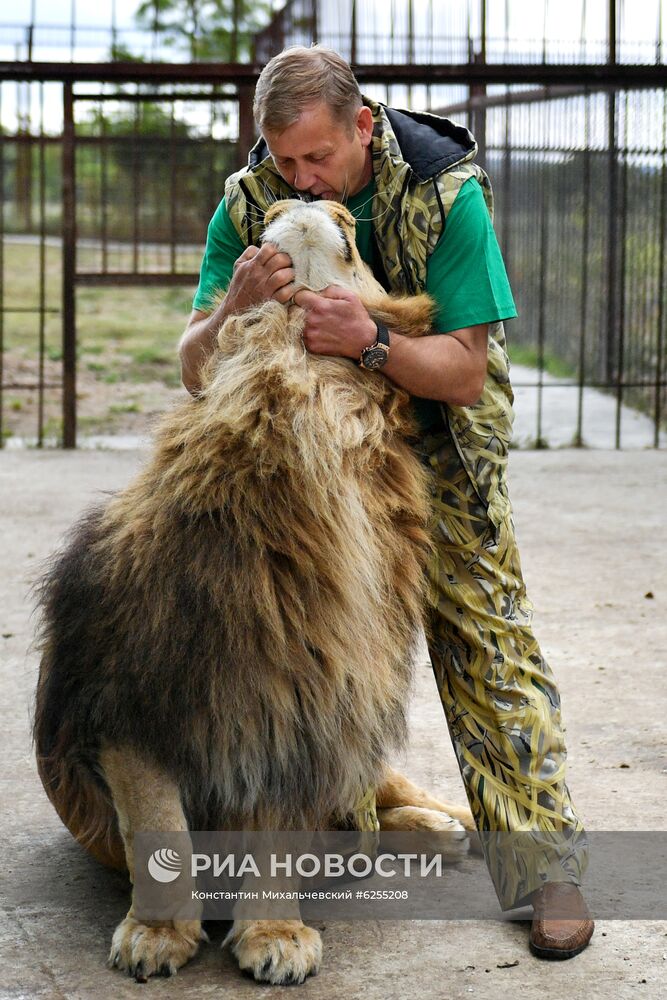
(562, 925)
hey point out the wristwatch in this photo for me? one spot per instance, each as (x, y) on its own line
(376, 355)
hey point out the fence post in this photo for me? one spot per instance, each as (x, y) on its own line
(611, 36)
(315, 22)
(246, 124)
(608, 346)
(353, 32)
(69, 270)
(478, 123)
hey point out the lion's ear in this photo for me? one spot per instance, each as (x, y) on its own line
(341, 215)
(278, 208)
(343, 219)
(411, 316)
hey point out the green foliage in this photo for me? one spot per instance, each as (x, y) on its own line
(120, 53)
(139, 134)
(157, 175)
(206, 29)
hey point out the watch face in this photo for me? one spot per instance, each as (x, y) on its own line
(374, 357)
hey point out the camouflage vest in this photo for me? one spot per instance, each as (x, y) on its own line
(417, 180)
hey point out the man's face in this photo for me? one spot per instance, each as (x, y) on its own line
(321, 156)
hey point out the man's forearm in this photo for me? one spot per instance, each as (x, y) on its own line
(197, 344)
(440, 366)
(446, 366)
(260, 274)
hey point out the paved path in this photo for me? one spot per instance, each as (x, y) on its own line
(592, 528)
(560, 406)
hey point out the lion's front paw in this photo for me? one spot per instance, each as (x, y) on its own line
(282, 952)
(149, 951)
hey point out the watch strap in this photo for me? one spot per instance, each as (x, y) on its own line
(382, 335)
(381, 340)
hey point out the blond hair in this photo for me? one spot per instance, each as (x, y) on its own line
(299, 77)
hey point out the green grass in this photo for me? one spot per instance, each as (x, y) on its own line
(131, 334)
(126, 345)
(520, 355)
(152, 356)
(132, 407)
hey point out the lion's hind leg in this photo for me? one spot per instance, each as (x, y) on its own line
(440, 834)
(397, 790)
(402, 805)
(83, 806)
(146, 799)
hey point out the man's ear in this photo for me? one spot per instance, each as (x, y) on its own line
(364, 125)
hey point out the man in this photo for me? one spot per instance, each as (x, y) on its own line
(423, 210)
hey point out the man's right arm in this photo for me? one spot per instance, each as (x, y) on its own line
(197, 344)
(259, 274)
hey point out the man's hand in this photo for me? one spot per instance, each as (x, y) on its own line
(336, 322)
(260, 274)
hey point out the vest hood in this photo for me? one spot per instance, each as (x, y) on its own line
(259, 152)
(429, 143)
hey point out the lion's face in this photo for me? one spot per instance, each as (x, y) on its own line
(320, 239)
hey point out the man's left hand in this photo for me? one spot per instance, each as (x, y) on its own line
(336, 322)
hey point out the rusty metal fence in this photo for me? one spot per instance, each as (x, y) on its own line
(111, 179)
(581, 183)
(116, 169)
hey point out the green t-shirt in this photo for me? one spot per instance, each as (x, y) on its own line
(465, 274)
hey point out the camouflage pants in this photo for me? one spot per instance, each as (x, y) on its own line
(499, 695)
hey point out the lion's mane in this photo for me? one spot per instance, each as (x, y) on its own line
(244, 613)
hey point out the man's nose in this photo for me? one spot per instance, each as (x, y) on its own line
(303, 179)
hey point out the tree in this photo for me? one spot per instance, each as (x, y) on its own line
(151, 169)
(207, 29)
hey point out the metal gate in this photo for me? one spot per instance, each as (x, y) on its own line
(573, 209)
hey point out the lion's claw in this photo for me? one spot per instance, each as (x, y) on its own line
(281, 952)
(144, 951)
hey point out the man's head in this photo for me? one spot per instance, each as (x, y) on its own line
(309, 109)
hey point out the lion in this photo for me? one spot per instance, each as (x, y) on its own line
(227, 642)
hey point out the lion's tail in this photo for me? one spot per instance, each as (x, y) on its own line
(78, 796)
(411, 316)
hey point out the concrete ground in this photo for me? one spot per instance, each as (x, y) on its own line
(591, 527)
